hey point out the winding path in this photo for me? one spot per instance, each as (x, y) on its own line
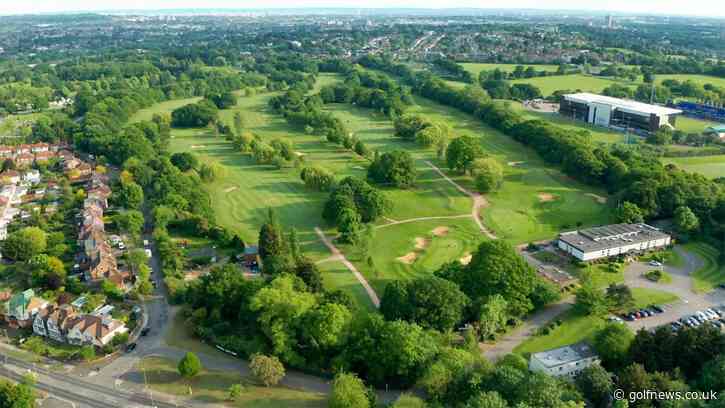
(336, 253)
(479, 201)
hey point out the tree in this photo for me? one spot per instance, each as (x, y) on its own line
(493, 316)
(184, 161)
(224, 100)
(238, 123)
(612, 344)
(596, 383)
(130, 221)
(590, 300)
(348, 391)
(488, 174)
(396, 168)
(24, 243)
(488, 399)
(620, 296)
(318, 178)
(630, 213)
(189, 366)
(266, 369)
(235, 391)
(128, 195)
(194, 115)
(328, 325)
(16, 395)
(461, 153)
(712, 376)
(685, 220)
(310, 274)
(408, 401)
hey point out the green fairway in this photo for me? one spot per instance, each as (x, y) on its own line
(578, 82)
(476, 68)
(212, 386)
(336, 276)
(163, 107)
(709, 166)
(711, 273)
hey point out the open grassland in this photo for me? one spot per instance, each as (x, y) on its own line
(576, 327)
(711, 273)
(212, 387)
(162, 107)
(709, 166)
(476, 68)
(584, 83)
(700, 79)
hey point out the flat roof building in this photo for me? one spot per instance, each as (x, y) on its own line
(617, 113)
(567, 361)
(611, 240)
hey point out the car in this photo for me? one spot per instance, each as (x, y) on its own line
(130, 347)
(148, 253)
(629, 318)
(616, 319)
(658, 309)
(645, 313)
(145, 243)
(145, 331)
(121, 246)
(655, 263)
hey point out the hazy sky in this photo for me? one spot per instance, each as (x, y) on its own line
(690, 7)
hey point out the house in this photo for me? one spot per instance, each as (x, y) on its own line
(10, 176)
(22, 149)
(23, 307)
(32, 176)
(251, 258)
(6, 152)
(44, 156)
(39, 147)
(69, 162)
(95, 330)
(54, 322)
(611, 240)
(24, 159)
(567, 361)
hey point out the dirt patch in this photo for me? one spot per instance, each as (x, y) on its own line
(597, 198)
(440, 231)
(421, 243)
(546, 197)
(230, 189)
(515, 163)
(408, 258)
(466, 259)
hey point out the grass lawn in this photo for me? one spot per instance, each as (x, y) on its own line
(700, 79)
(212, 387)
(336, 276)
(709, 166)
(711, 273)
(691, 125)
(180, 336)
(585, 83)
(163, 107)
(576, 327)
(476, 68)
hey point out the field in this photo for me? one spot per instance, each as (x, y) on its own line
(476, 68)
(700, 79)
(709, 166)
(691, 125)
(212, 387)
(163, 107)
(711, 273)
(578, 82)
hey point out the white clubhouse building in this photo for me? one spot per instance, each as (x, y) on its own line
(611, 240)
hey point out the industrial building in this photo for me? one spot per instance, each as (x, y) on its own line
(612, 240)
(567, 361)
(617, 113)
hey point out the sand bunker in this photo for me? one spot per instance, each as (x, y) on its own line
(515, 163)
(440, 231)
(230, 189)
(408, 258)
(466, 259)
(597, 198)
(546, 197)
(197, 146)
(421, 243)
(300, 154)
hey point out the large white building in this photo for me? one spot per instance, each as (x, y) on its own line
(567, 361)
(611, 240)
(617, 113)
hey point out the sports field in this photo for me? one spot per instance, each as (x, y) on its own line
(476, 68)
(709, 166)
(578, 82)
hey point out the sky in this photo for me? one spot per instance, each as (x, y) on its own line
(690, 7)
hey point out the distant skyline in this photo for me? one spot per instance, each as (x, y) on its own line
(711, 8)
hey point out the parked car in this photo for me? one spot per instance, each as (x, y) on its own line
(146, 243)
(655, 263)
(148, 253)
(658, 309)
(121, 246)
(130, 347)
(145, 331)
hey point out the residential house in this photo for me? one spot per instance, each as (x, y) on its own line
(22, 149)
(23, 307)
(24, 159)
(39, 147)
(95, 330)
(6, 152)
(32, 176)
(42, 157)
(251, 257)
(54, 322)
(10, 176)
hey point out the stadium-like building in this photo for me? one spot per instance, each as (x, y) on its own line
(617, 113)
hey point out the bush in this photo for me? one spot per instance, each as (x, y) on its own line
(267, 369)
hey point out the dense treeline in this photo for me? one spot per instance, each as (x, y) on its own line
(369, 90)
(642, 180)
(453, 69)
